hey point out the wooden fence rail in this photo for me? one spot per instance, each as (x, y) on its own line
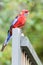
(22, 51)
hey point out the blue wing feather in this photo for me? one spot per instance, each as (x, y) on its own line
(9, 36)
(15, 20)
(7, 39)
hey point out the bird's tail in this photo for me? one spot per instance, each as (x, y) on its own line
(6, 41)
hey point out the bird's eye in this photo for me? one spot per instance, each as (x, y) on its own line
(26, 11)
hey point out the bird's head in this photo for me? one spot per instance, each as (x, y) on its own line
(24, 12)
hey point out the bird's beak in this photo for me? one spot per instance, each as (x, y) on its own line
(28, 13)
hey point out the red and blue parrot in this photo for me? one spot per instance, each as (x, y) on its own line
(18, 22)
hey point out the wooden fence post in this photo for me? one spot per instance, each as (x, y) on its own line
(23, 52)
(16, 51)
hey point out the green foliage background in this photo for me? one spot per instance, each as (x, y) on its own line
(33, 28)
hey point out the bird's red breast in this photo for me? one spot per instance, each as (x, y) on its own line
(21, 21)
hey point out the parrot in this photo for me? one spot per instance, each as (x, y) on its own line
(18, 22)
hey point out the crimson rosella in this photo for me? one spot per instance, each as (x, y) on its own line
(18, 22)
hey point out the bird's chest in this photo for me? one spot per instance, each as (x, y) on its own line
(22, 20)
